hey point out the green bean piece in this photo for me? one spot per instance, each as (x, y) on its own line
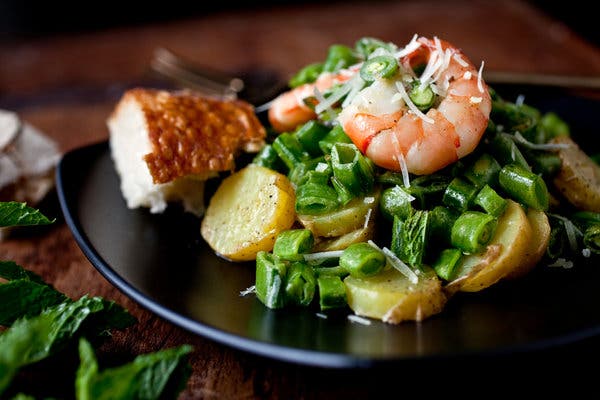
(362, 260)
(524, 186)
(267, 157)
(344, 194)
(351, 168)
(583, 219)
(315, 177)
(409, 238)
(491, 201)
(309, 136)
(367, 45)
(557, 242)
(301, 284)
(422, 96)
(293, 243)
(338, 57)
(332, 292)
(446, 263)
(544, 162)
(505, 150)
(313, 198)
(380, 67)
(395, 202)
(595, 158)
(308, 74)
(515, 118)
(472, 231)
(301, 171)
(270, 280)
(335, 270)
(483, 171)
(289, 149)
(591, 238)
(441, 220)
(459, 194)
(335, 135)
(553, 126)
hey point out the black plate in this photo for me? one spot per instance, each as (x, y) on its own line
(162, 262)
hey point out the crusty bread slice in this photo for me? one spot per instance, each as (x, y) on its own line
(166, 144)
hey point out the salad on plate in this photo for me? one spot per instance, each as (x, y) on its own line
(394, 177)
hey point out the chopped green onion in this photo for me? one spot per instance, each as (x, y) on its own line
(293, 243)
(472, 231)
(362, 260)
(379, 67)
(524, 186)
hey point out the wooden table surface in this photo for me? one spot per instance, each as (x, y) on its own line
(66, 85)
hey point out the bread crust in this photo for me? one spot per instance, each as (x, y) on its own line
(193, 134)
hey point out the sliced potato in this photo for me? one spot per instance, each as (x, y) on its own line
(505, 252)
(341, 242)
(347, 219)
(392, 298)
(579, 176)
(540, 229)
(247, 212)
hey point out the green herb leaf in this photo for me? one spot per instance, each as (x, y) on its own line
(409, 238)
(13, 213)
(25, 295)
(31, 340)
(148, 376)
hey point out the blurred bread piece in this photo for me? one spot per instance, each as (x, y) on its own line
(165, 145)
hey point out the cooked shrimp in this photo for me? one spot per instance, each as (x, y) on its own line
(289, 109)
(400, 136)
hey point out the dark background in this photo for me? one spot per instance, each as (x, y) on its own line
(27, 18)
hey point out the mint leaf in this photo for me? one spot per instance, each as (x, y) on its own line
(13, 213)
(10, 270)
(148, 376)
(31, 340)
(25, 295)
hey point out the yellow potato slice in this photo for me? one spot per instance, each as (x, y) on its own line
(247, 212)
(392, 298)
(505, 252)
(540, 229)
(347, 219)
(579, 176)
